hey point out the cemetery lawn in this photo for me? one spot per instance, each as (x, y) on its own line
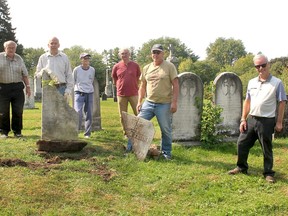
(100, 180)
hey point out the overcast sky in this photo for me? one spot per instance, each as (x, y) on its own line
(260, 24)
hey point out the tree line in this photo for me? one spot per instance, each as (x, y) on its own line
(223, 55)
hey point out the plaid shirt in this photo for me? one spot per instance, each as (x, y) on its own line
(12, 70)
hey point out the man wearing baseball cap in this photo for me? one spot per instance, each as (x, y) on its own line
(159, 83)
(83, 76)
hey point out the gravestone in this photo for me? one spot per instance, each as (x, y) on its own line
(59, 121)
(29, 101)
(109, 86)
(96, 124)
(229, 96)
(172, 58)
(140, 131)
(186, 121)
(37, 89)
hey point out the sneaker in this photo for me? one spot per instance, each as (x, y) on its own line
(270, 179)
(87, 137)
(236, 171)
(166, 156)
(18, 135)
(3, 136)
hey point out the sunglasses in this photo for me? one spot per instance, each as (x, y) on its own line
(258, 66)
(156, 52)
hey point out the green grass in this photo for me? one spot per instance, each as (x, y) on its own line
(99, 180)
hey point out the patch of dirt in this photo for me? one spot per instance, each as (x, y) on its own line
(32, 165)
(103, 171)
(53, 161)
(12, 163)
(154, 151)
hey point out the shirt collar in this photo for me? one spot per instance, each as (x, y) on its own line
(267, 80)
(49, 54)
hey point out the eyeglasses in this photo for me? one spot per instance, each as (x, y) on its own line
(156, 52)
(258, 66)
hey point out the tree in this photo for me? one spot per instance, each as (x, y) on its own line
(241, 66)
(180, 50)
(31, 57)
(206, 70)
(96, 61)
(225, 51)
(6, 30)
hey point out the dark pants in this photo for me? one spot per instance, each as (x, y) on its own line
(11, 94)
(257, 128)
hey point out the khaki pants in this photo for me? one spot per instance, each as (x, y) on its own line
(123, 106)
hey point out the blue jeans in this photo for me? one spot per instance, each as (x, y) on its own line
(84, 102)
(61, 89)
(164, 118)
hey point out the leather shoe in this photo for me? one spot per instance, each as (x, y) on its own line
(270, 179)
(236, 171)
(18, 135)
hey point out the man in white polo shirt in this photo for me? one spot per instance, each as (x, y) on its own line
(258, 117)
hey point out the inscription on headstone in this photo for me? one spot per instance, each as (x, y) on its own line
(140, 131)
(186, 121)
(228, 95)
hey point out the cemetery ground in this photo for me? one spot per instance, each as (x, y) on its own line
(100, 180)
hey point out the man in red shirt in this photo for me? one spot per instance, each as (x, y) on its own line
(125, 75)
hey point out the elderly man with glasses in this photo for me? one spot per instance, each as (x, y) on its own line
(258, 117)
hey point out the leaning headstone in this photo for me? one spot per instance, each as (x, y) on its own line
(59, 120)
(228, 95)
(140, 131)
(186, 121)
(29, 101)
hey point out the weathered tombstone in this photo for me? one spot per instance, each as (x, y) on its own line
(29, 101)
(37, 89)
(59, 121)
(140, 131)
(172, 58)
(96, 125)
(229, 95)
(109, 86)
(186, 121)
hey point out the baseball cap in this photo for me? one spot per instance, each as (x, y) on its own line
(83, 55)
(158, 47)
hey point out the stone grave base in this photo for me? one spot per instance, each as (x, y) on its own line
(61, 145)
